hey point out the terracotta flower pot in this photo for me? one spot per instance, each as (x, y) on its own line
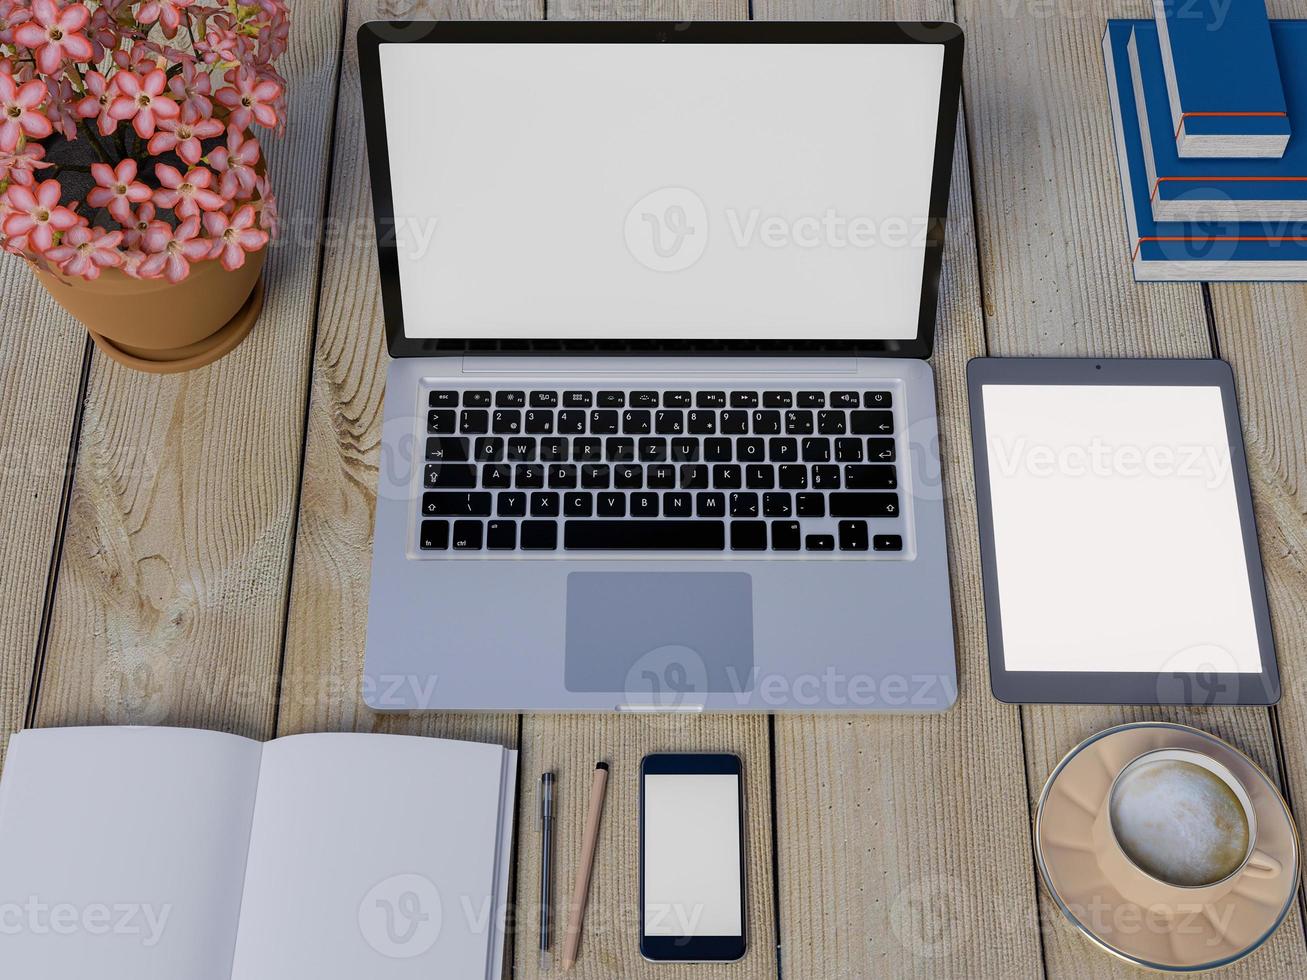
(155, 325)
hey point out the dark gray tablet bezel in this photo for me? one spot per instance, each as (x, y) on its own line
(1094, 687)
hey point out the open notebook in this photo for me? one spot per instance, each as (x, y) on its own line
(141, 853)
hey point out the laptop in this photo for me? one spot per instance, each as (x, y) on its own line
(660, 431)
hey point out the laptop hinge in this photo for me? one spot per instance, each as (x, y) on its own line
(607, 366)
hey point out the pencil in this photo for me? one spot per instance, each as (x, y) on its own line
(581, 889)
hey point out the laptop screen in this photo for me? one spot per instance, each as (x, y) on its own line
(733, 192)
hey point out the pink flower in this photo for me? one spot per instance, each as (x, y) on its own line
(250, 98)
(269, 217)
(20, 166)
(117, 189)
(233, 237)
(193, 87)
(99, 97)
(37, 216)
(84, 251)
(235, 162)
(18, 111)
(138, 224)
(55, 34)
(184, 135)
(12, 14)
(166, 12)
(105, 34)
(142, 101)
(61, 108)
(170, 252)
(186, 195)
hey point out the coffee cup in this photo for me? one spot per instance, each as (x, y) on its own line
(1177, 828)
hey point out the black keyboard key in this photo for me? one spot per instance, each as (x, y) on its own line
(522, 449)
(467, 535)
(676, 504)
(611, 399)
(812, 399)
(595, 476)
(777, 505)
(744, 505)
(588, 450)
(798, 422)
(702, 423)
(628, 476)
(711, 399)
(677, 399)
(434, 536)
(653, 450)
(440, 421)
(669, 422)
(785, 535)
(853, 535)
(873, 476)
(611, 504)
(734, 423)
(447, 449)
(572, 423)
(844, 399)
(528, 476)
(496, 476)
(694, 476)
(717, 450)
(440, 476)
(443, 399)
(644, 505)
(760, 476)
(539, 421)
(766, 422)
(825, 477)
(810, 505)
(848, 450)
(510, 399)
(553, 450)
(726, 476)
(603, 422)
(685, 450)
(456, 504)
(881, 449)
(820, 542)
(662, 535)
(539, 535)
(777, 399)
(501, 535)
(887, 542)
(748, 535)
(794, 477)
(783, 449)
(576, 399)
(511, 504)
(489, 449)
(877, 399)
(751, 450)
(875, 423)
(544, 399)
(831, 423)
(661, 476)
(644, 399)
(562, 476)
(619, 449)
(544, 504)
(637, 421)
(710, 504)
(506, 421)
(864, 505)
(476, 399)
(744, 399)
(578, 504)
(816, 449)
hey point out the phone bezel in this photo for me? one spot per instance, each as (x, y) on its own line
(694, 949)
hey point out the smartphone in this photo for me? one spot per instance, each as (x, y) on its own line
(691, 857)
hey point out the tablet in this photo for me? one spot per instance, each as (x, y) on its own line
(1117, 537)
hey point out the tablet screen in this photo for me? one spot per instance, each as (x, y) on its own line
(1117, 537)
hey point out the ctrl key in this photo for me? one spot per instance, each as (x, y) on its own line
(434, 536)
(467, 535)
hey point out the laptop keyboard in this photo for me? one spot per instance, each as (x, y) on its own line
(805, 472)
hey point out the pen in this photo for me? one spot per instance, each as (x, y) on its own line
(581, 890)
(546, 864)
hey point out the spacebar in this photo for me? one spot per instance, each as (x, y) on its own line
(645, 535)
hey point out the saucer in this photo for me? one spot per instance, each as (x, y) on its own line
(1179, 937)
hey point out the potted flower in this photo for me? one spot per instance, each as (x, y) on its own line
(131, 174)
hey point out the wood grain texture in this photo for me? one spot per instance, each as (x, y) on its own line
(899, 836)
(172, 588)
(1057, 281)
(41, 361)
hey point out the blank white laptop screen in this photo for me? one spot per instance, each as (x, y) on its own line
(661, 191)
(1117, 537)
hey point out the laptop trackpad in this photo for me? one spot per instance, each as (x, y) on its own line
(661, 639)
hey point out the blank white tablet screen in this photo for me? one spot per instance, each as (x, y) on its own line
(1117, 537)
(692, 855)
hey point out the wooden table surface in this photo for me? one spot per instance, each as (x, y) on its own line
(194, 550)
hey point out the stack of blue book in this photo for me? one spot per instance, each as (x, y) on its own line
(1210, 113)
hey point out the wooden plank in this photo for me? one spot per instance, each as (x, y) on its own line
(899, 836)
(41, 365)
(172, 586)
(570, 745)
(1055, 265)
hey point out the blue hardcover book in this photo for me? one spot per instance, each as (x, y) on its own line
(1178, 251)
(1196, 189)
(1222, 78)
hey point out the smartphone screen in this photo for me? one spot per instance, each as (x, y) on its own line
(691, 857)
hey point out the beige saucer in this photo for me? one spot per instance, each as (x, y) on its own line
(1180, 936)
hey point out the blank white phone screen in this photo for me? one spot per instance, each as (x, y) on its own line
(692, 855)
(1117, 536)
